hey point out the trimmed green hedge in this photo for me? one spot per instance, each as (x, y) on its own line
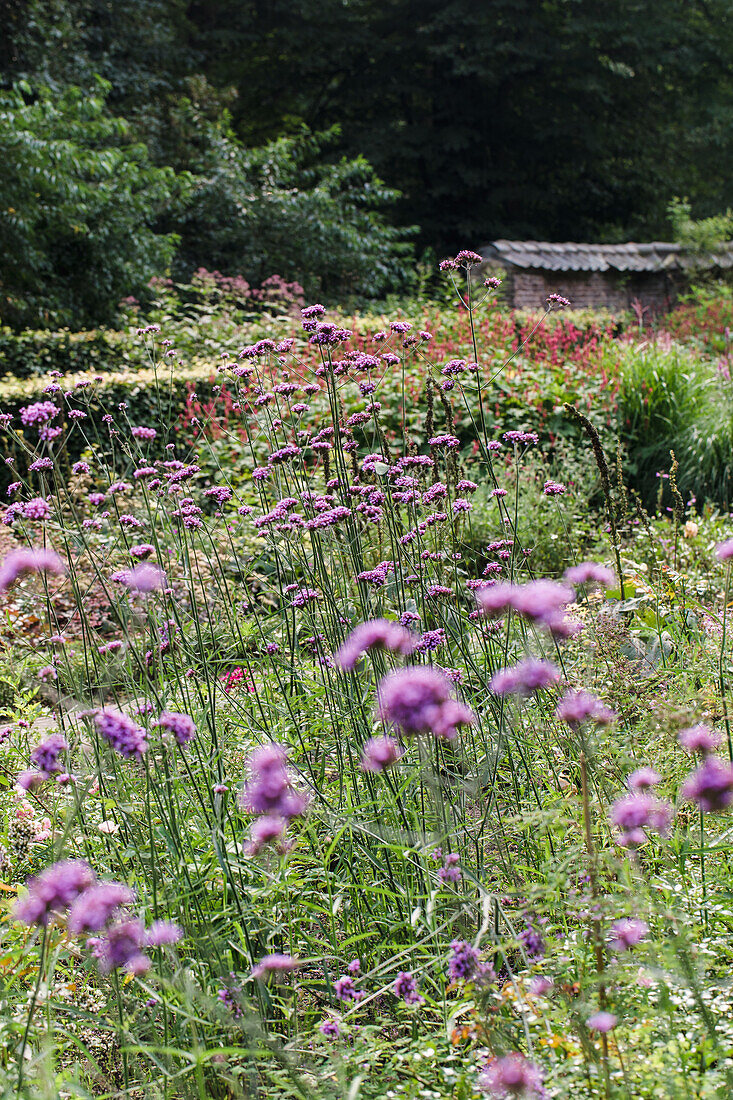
(146, 404)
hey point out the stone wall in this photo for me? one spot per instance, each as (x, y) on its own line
(585, 289)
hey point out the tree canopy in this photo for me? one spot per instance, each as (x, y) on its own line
(553, 119)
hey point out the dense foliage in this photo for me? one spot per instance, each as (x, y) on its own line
(330, 765)
(523, 118)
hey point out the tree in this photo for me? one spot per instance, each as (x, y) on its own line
(78, 205)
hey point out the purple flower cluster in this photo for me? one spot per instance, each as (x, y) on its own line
(419, 700)
(53, 891)
(39, 413)
(577, 707)
(180, 725)
(637, 814)
(589, 572)
(627, 933)
(273, 964)
(542, 602)
(463, 962)
(405, 987)
(376, 634)
(380, 753)
(711, 785)
(18, 563)
(525, 677)
(512, 1076)
(121, 732)
(45, 756)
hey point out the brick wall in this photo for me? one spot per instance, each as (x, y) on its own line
(614, 290)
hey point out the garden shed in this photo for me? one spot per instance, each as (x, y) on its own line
(593, 275)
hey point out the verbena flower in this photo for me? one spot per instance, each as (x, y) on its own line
(96, 906)
(53, 891)
(463, 962)
(181, 726)
(627, 933)
(122, 948)
(589, 572)
(637, 814)
(344, 989)
(711, 786)
(376, 634)
(46, 755)
(380, 753)
(144, 579)
(700, 739)
(330, 1029)
(512, 1076)
(405, 987)
(419, 700)
(269, 789)
(525, 677)
(602, 1022)
(724, 550)
(18, 563)
(274, 964)
(643, 779)
(577, 707)
(121, 732)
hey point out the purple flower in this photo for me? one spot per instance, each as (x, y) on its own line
(46, 755)
(635, 814)
(699, 739)
(344, 989)
(141, 551)
(162, 933)
(274, 964)
(124, 735)
(589, 572)
(553, 489)
(39, 413)
(576, 707)
(144, 433)
(627, 933)
(558, 301)
(53, 891)
(448, 441)
(37, 508)
(525, 677)
(121, 947)
(180, 725)
(376, 634)
(266, 830)
(603, 1022)
(711, 786)
(724, 550)
(542, 602)
(510, 1076)
(19, 562)
(97, 905)
(643, 779)
(419, 700)
(405, 987)
(380, 753)
(463, 962)
(269, 789)
(145, 578)
(330, 1029)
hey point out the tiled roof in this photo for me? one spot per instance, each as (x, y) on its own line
(568, 256)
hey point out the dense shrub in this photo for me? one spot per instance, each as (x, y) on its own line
(79, 202)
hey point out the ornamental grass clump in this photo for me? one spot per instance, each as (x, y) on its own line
(317, 781)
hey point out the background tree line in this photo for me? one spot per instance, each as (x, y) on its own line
(306, 137)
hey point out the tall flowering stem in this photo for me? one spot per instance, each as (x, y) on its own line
(595, 922)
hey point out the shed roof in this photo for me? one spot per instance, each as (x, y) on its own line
(570, 256)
